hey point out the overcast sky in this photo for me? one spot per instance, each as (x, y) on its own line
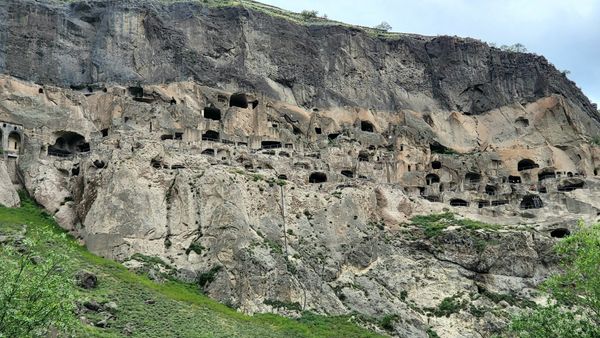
(567, 32)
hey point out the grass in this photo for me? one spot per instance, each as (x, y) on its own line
(434, 224)
(170, 309)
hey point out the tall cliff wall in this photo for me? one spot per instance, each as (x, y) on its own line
(236, 48)
(288, 160)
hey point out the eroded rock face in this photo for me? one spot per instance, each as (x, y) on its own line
(8, 193)
(230, 175)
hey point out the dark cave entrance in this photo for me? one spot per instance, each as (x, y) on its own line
(367, 126)
(457, 202)
(526, 164)
(212, 113)
(317, 177)
(238, 100)
(531, 202)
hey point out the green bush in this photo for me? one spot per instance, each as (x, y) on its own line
(434, 224)
(574, 292)
(205, 278)
(35, 292)
(309, 14)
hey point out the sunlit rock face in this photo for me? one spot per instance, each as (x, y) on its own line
(294, 157)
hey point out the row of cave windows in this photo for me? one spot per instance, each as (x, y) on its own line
(528, 202)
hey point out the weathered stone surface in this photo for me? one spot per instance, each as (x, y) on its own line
(8, 194)
(264, 200)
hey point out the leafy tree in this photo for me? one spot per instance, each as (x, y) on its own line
(35, 292)
(575, 292)
(309, 14)
(516, 48)
(384, 26)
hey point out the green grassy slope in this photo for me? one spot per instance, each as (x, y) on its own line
(177, 310)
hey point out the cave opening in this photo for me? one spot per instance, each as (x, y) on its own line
(526, 164)
(570, 186)
(546, 173)
(363, 156)
(432, 178)
(348, 173)
(210, 135)
(208, 152)
(514, 179)
(560, 233)
(522, 122)
(457, 202)
(178, 136)
(438, 148)
(238, 100)
(14, 142)
(499, 202)
(490, 190)
(472, 178)
(67, 143)
(137, 91)
(212, 113)
(531, 202)
(436, 165)
(482, 203)
(318, 131)
(270, 144)
(104, 132)
(166, 137)
(282, 177)
(317, 177)
(333, 136)
(367, 126)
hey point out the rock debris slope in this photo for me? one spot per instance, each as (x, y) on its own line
(287, 160)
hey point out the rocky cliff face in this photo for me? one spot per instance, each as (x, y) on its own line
(281, 164)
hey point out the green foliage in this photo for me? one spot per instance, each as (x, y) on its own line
(450, 305)
(205, 278)
(575, 292)
(434, 224)
(432, 334)
(515, 48)
(387, 322)
(552, 321)
(195, 247)
(274, 246)
(34, 292)
(384, 26)
(309, 14)
(295, 306)
(595, 140)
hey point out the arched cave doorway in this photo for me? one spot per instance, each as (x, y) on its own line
(457, 202)
(526, 164)
(432, 178)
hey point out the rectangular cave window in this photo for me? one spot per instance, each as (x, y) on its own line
(166, 137)
(289, 146)
(104, 132)
(348, 173)
(270, 144)
(318, 130)
(212, 113)
(179, 136)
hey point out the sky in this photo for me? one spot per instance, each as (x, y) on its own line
(566, 32)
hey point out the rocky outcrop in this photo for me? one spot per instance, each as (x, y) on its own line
(280, 165)
(8, 194)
